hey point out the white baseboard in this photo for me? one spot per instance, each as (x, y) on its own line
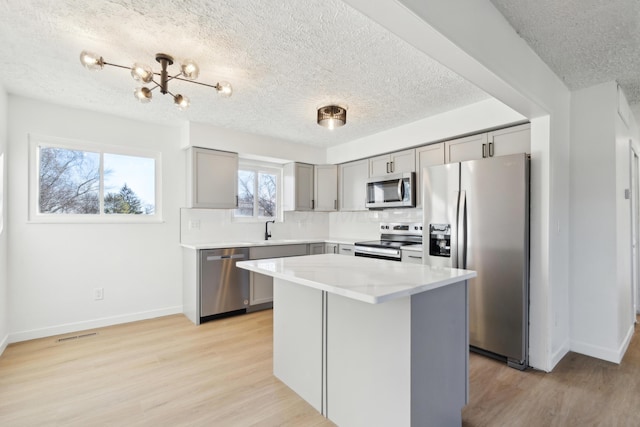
(3, 344)
(557, 356)
(91, 324)
(604, 353)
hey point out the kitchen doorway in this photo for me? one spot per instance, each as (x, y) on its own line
(635, 228)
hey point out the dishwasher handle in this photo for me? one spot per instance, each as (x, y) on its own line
(220, 257)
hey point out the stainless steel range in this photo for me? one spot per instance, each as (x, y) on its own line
(393, 235)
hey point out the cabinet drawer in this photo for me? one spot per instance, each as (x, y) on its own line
(277, 251)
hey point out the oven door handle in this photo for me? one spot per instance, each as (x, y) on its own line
(378, 251)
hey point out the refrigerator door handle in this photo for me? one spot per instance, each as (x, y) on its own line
(461, 244)
(454, 234)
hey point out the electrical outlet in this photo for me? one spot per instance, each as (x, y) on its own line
(194, 225)
(98, 293)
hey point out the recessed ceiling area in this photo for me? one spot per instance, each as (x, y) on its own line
(584, 42)
(284, 62)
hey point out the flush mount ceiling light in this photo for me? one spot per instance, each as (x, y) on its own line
(143, 73)
(332, 116)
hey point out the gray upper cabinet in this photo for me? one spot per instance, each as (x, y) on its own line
(352, 181)
(398, 162)
(468, 148)
(325, 188)
(513, 140)
(212, 179)
(298, 187)
(429, 155)
(502, 142)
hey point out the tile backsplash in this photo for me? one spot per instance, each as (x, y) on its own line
(218, 225)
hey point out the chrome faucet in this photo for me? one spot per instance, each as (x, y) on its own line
(267, 233)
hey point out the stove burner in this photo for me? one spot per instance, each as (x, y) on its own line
(393, 237)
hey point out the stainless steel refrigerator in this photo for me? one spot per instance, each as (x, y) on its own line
(476, 214)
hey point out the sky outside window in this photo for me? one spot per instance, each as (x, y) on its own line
(138, 173)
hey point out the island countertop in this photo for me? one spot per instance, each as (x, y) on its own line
(369, 280)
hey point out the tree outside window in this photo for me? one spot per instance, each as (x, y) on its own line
(257, 193)
(76, 182)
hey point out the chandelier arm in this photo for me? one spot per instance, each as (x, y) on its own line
(216, 86)
(116, 65)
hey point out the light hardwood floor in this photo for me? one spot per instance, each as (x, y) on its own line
(168, 372)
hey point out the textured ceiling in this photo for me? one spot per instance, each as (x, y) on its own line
(284, 59)
(585, 42)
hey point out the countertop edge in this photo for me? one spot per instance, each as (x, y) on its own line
(261, 243)
(348, 293)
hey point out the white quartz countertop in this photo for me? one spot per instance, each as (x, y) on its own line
(270, 242)
(365, 279)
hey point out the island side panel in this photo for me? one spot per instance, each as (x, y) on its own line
(297, 339)
(439, 356)
(368, 362)
(191, 285)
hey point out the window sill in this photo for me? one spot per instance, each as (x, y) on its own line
(75, 219)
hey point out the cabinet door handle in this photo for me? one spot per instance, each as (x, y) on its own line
(491, 149)
(335, 204)
(387, 167)
(414, 257)
(313, 204)
(236, 201)
(392, 166)
(484, 150)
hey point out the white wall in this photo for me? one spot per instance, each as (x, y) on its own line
(474, 40)
(474, 118)
(602, 318)
(4, 286)
(250, 145)
(218, 225)
(55, 267)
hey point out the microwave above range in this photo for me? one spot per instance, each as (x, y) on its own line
(391, 191)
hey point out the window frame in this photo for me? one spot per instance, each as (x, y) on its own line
(265, 167)
(35, 216)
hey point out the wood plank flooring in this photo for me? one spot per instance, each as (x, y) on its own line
(168, 372)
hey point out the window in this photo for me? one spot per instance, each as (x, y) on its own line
(75, 181)
(258, 191)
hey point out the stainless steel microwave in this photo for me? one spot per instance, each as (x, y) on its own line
(391, 191)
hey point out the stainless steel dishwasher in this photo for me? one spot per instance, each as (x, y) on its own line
(224, 288)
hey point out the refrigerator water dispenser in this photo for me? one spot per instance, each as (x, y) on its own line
(440, 240)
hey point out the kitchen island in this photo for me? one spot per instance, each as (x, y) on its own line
(370, 342)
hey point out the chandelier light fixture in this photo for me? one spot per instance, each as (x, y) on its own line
(332, 116)
(144, 74)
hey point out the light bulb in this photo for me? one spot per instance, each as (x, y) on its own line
(141, 73)
(182, 102)
(331, 124)
(190, 69)
(224, 89)
(143, 94)
(91, 61)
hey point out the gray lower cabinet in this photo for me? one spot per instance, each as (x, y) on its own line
(414, 257)
(330, 248)
(346, 249)
(261, 286)
(316, 248)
